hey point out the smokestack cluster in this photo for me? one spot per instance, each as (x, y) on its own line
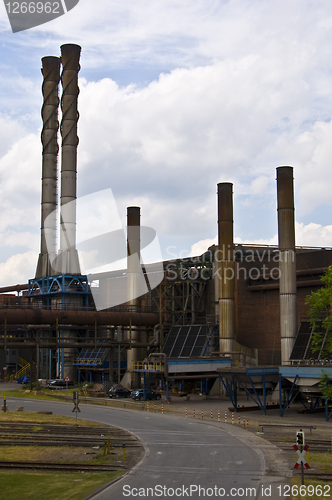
(67, 260)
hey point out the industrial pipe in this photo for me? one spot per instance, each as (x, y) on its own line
(68, 262)
(36, 316)
(14, 288)
(225, 261)
(50, 89)
(287, 264)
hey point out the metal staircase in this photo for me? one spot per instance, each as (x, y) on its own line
(24, 370)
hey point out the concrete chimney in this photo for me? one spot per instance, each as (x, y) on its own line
(287, 264)
(225, 258)
(50, 89)
(70, 56)
(134, 273)
(133, 255)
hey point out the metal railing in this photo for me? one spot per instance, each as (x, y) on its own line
(139, 366)
(22, 371)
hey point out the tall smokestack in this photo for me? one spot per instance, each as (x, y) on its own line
(133, 255)
(133, 280)
(51, 73)
(70, 56)
(287, 264)
(225, 259)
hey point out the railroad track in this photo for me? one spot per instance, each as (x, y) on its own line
(9, 427)
(70, 467)
(35, 442)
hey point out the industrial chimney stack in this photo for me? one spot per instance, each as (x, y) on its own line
(225, 263)
(66, 262)
(287, 264)
(70, 56)
(133, 282)
(50, 89)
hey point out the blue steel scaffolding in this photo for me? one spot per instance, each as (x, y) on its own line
(65, 285)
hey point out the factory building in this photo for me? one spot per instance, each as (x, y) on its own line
(233, 307)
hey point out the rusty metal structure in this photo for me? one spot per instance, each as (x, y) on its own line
(50, 89)
(287, 265)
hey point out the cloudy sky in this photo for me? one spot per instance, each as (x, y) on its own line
(174, 98)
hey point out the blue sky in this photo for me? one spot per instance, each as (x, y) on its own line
(174, 98)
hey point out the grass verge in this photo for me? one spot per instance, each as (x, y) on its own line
(313, 489)
(39, 485)
(31, 417)
(51, 485)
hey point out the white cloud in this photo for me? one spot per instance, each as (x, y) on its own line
(20, 172)
(18, 268)
(310, 235)
(244, 87)
(313, 235)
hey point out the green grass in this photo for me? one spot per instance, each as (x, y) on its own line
(52, 486)
(31, 417)
(57, 454)
(321, 460)
(40, 485)
(27, 395)
(316, 486)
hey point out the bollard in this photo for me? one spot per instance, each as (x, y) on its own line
(155, 407)
(202, 414)
(211, 414)
(194, 414)
(232, 418)
(239, 420)
(162, 408)
(4, 404)
(186, 412)
(225, 417)
(244, 422)
(147, 406)
(247, 425)
(218, 415)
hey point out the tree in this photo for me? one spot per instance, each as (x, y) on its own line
(320, 317)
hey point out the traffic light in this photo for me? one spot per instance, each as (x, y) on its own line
(300, 438)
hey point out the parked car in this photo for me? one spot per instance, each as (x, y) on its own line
(60, 384)
(119, 392)
(23, 380)
(139, 395)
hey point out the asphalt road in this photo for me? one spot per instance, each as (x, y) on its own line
(184, 458)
